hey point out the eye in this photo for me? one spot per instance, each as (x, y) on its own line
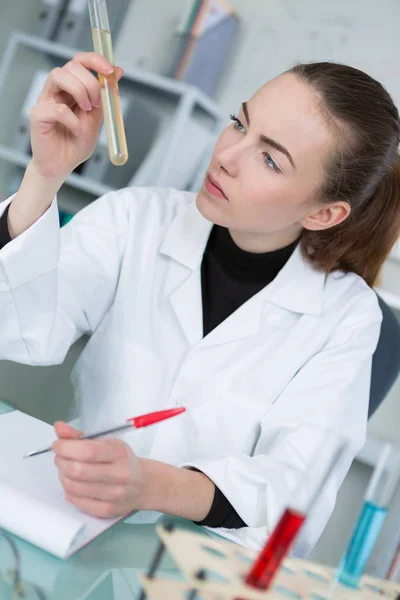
(269, 161)
(238, 125)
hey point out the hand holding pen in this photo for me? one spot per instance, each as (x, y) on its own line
(104, 478)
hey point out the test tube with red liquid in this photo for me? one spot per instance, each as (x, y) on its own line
(329, 449)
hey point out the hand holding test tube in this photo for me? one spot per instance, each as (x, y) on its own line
(113, 120)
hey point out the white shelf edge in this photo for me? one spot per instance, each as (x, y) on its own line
(369, 453)
(77, 181)
(141, 76)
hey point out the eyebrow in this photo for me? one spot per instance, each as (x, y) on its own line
(268, 140)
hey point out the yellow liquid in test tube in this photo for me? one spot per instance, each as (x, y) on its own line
(116, 140)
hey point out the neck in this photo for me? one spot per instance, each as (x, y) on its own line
(259, 243)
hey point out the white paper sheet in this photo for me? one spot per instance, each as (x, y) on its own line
(32, 503)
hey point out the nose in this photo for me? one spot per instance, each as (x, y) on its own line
(228, 159)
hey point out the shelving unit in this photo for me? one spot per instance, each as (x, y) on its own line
(76, 181)
(173, 101)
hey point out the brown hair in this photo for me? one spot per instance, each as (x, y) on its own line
(364, 171)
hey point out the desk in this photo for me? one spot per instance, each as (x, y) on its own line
(106, 569)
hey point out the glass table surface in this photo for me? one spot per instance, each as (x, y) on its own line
(106, 569)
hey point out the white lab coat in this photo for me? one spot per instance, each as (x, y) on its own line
(126, 270)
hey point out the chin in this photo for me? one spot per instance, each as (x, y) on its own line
(209, 210)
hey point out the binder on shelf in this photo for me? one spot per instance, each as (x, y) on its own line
(189, 16)
(21, 139)
(189, 151)
(50, 13)
(141, 126)
(203, 50)
(75, 30)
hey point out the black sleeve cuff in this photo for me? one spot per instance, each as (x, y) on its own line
(5, 237)
(222, 513)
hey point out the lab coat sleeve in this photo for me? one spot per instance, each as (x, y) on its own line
(57, 285)
(330, 391)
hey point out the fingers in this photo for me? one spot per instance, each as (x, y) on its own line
(89, 83)
(63, 430)
(91, 451)
(95, 62)
(93, 472)
(76, 80)
(49, 113)
(96, 508)
(69, 79)
(119, 72)
(98, 491)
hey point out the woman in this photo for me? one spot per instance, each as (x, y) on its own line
(250, 304)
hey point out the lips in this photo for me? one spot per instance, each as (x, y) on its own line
(213, 187)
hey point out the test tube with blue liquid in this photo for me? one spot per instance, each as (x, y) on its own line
(372, 517)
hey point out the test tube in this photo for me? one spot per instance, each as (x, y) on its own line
(329, 449)
(113, 120)
(379, 493)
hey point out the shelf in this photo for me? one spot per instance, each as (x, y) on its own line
(369, 453)
(177, 104)
(146, 78)
(57, 50)
(76, 181)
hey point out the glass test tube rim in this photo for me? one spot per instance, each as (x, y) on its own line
(99, 15)
(385, 476)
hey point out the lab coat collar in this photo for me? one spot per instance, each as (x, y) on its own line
(298, 287)
(187, 236)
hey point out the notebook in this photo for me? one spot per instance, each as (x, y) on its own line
(32, 503)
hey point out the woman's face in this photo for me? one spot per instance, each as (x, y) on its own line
(268, 164)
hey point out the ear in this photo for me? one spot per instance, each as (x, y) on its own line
(327, 216)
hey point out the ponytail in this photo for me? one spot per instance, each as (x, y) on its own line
(364, 240)
(363, 170)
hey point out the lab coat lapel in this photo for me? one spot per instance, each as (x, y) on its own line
(187, 303)
(242, 323)
(185, 242)
(298, 287)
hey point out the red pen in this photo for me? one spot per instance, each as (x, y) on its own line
(135, 422)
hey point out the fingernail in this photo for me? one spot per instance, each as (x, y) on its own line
(88, 106)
